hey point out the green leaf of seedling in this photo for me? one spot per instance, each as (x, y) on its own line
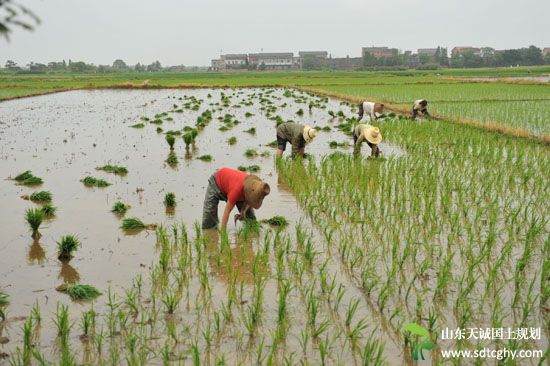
(422, 346)
(416, 329)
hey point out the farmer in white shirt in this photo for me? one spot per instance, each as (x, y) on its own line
(371, 109)
(420, 106)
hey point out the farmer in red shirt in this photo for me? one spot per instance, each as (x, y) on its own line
(237, 188)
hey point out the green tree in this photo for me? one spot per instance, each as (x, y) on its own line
(120, 65)
(532, 56)
(11, 65)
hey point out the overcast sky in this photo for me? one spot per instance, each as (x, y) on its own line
(193, 32)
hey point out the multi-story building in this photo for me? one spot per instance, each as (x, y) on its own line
(431, 52)
(272, 61)
(459, 51)
(379, 51)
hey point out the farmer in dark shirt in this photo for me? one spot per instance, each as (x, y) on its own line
(298, 135)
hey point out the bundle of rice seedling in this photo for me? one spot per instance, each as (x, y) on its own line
(250, 153)
(48, 210)
(120, 207)
(251, 131)
(113, 169)
(276, 221)
(22, 176)
(67, 246)
(34, 217)
(133, 223)
(232, 140)
(4, 302)
(41, 196)
(171, 140)
(205, 157)
(79, 292)
(170, 199)
(172, 159)
(138, 125)
(95, 182)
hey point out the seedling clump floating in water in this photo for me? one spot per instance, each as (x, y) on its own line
(114, 169)
(170, 199)
(120, 207)
(40, 197)
(95, 182)
(79, 291)
(250, 153)
(133, 223)
(232, 140)
(34, 217)
(276, 221)
(138, 125)
(205, 157)
(28, 179)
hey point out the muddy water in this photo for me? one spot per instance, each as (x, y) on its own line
(63, 137)
(539, 78)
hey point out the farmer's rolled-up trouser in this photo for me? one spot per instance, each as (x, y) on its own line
(211, 199)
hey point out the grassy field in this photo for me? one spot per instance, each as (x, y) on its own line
(451, 232)
(498, 105)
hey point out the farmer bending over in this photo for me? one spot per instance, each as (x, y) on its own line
(368, 133)
(371, 109)
(298, 135)
(237, 188)
(420, 106)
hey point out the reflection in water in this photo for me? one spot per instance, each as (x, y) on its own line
(240, 258)
(170, 211)
(68, 273)
(36, 255)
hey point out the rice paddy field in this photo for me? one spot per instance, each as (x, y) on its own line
(103, 261)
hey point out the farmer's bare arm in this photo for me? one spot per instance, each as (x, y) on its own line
(228, 208)
(241, 215)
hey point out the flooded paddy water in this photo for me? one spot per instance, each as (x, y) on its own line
(63, 137)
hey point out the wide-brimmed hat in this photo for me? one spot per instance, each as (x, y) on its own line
(372, 134)
(309, 133)
(255, 190)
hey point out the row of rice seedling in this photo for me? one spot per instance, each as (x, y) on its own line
(183, 309)
(433, 235)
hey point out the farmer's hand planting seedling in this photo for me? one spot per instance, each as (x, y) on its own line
(237, 188)
(420, 106)
(298, 135)
(371, 109)
(366, 133)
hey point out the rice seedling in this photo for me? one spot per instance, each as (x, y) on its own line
(188, 139)
(90, 181)
(232, 140)
(138, 125)
(300, 112)
(171, 140)
(34, 218)
(66, 246)
(206, 158)
(172, 159)
(4, 302)
(48, 210)
(250, 153)
(170, 199)
(159, 130)
(79, 291)
(41, 196)
(272, 143)
(248, 114)
(251, 131)
(120, 207)
(121, 170)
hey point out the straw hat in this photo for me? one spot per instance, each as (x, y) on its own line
(309, 133)
(372, 134)
(254, 191)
